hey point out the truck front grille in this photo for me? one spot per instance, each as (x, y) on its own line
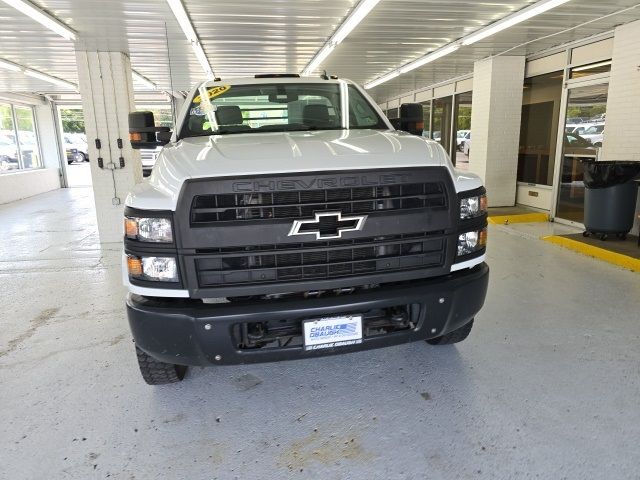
(303, 203)
(235, 233)
(319, 260)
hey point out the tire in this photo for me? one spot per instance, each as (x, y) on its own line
(159, 373)
(69, 162)
(80, 157)
(453, 337)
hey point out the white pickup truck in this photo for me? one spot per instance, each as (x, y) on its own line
(286, 218)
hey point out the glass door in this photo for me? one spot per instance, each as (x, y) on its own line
(581, 139)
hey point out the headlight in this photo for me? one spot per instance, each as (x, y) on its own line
(155, 269)
(471, 242)
(472, 207)
(148, 229)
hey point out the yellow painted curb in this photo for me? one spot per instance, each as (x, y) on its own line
(519, 218)
(608, 256)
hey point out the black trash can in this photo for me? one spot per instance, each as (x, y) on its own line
(610, 197)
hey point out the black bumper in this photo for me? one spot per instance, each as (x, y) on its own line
(173, 331)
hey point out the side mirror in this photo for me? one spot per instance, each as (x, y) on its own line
(411, 118)
(143, 130)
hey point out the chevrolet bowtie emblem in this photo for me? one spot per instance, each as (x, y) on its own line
(327, 225)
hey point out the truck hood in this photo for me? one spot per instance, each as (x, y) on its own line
(281, 152)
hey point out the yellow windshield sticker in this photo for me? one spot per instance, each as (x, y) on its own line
(213, 92)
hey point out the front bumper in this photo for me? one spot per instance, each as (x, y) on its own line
(173, 330)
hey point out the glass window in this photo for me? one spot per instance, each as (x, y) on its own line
(593, 69)
(539, 128)
(361, 113)
(584, 102)
(426, 115)
(441, 131)
(275, 107)
(463, 130)
(18, 139)
(27, 138)
(8, 141)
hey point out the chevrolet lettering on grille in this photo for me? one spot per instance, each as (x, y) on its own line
(327, 225)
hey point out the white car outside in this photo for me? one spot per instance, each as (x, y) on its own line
(594, 134)
(466, 146)
(461, 136)
(577, 128)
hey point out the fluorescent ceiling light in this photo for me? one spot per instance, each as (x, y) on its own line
(10, 66)
(183, 19)
(43, 18)
(353, 19)
(513, 19)
(187, 27)
(381, 80)
(429, 58)
(14, 67)
(144, 80)
(50, 79)
(319, 58)
(202, 58)
(593, 65)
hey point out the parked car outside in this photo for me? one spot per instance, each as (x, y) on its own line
(76, 149)
(28, 148)
(594, 134)
(461, 136)
(577, 128)
(8, 154)
(148, 158)
(466, 145)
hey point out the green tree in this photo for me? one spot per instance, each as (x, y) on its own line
(72, 120)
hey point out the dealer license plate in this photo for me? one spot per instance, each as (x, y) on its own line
(332, 332)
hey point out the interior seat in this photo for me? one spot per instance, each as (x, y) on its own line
(316, 116)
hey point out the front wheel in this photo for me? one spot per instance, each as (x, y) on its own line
(453, 337)
(155, 372)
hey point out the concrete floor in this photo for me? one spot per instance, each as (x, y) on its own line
(547, 385)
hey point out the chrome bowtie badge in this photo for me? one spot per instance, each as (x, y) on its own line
(327, 225)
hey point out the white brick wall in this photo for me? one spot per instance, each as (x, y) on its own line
(495, 124)
(623, 102)
(107, 98)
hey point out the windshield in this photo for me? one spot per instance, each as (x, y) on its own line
(275, 107)
(594, 129)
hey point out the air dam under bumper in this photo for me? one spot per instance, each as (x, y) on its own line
(173, 331)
